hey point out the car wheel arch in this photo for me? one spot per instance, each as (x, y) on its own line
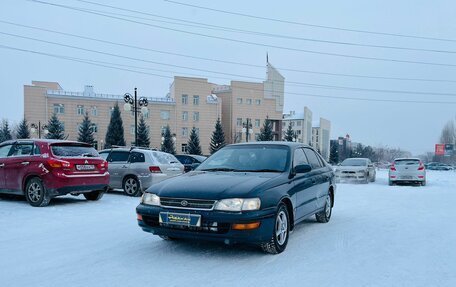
(27, 179)
(289, 206)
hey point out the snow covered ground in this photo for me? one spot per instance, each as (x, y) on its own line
(378, 236)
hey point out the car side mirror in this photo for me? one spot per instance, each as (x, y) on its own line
(302, 168)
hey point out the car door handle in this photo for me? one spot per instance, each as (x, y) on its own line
(25, 163)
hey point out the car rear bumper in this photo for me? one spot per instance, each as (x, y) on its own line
(62, 184)
(221, 232)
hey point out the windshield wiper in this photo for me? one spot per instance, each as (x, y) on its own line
(219, 169)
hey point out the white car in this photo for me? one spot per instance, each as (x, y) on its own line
(355, 169)
(407, 170)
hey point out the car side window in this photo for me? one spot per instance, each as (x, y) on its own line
(118, 156)
(21, 150)
(137, 157)
(36, 150)
(4, 150)
(299, 157)
(313, 158)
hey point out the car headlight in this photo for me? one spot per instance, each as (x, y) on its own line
(150, 199)
(238, 204)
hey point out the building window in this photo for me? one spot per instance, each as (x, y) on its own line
(257, 123)
(283, 124)
(248, 101)
(184, 99)
(185, 132)
(146, 114)
(196, 100)
(80, 110)
(94, 111)
(196, 116)
(257, 135)
(239, 122)
(185, 116)
(59, 108)
(132, 129)
(239, 100)
(258, 102)
(298, 123)
(164, 115)
(184, 148)
(298, 132)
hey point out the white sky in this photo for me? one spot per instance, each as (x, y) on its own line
(414, 127)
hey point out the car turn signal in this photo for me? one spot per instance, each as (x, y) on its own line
(246, 226)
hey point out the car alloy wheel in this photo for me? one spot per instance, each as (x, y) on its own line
(281, 227)
(328, 206)
(280, 232)
(131, 186)
(35, 193)
(325, 215)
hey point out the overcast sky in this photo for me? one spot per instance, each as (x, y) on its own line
(412, 126)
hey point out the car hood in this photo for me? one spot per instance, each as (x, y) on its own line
(215, 185)
(350, 168)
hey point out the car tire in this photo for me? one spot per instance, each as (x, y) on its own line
(423, 183)
(390, 183)
(131, 186)
(325, 215)
(36, 194)
(94, 195)
(373, 178)
(280, 232)
(167, 238)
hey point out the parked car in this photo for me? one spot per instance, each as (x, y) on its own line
(44, 169)
(356, 169)
(135, 169)
(190, 161)
(244, 193)
(438, 166)
(407, 170)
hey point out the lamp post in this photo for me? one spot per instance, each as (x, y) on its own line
(137, 106)
(38, 128)
(247, 129)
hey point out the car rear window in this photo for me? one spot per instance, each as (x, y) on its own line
(164, 158)
(354, 162)
(65, 150)
(406, 162)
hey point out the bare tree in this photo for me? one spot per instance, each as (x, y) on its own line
(448, 135)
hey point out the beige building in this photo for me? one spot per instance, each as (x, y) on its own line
(301, 123)
(321, 137)
(191, 102)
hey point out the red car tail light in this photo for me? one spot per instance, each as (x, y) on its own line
(55, 163)
(104, 164)
(393, 168)
(155, 169)
(421, 167)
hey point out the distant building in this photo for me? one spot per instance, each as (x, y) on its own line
(301, 124)
(343, 146)
(321, 137)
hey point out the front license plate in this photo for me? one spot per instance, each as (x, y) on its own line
(85, 167)
(182, 219)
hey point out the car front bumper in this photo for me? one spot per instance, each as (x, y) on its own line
(215, 225)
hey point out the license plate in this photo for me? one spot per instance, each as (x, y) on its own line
(85, 167)
(406, 177)
(182, 219)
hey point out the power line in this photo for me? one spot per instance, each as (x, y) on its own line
(223, 61)
(91, 62)
(304, 24)
(229, 74)
(250, 32)
(249, 42)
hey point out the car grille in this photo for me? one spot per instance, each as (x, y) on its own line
(199, 204)
(206, 226)
(349, 172)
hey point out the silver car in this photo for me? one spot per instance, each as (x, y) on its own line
(407, 170)
(356, 169)
(135, 170)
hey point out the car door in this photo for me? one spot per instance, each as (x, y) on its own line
(4, 151)
(320, 180)
(118, 166)
(302, 186)
(18, 164)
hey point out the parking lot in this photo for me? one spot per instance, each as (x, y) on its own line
(379, 235)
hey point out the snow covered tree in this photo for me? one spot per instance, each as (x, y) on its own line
(218, 137)
(448, 135)
(143, 133)
(266, 131)
(168, 143)
(5, 132)
(85, 133)
(115, 133)
(289, 134)
(55, 128)
(22, 131)
(193, 146)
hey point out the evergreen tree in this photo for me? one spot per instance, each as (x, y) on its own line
(143, 133)
(289, 134)
(334, 153)
(193, 146)
(55, 128)
(5, 133)
(115, 132)
(266, 131)
(218, 138)
(168, 144)
(85, 133)
(23, 131)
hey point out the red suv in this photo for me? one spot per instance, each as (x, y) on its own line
(43, 169)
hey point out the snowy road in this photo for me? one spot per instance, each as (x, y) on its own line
(378, 236)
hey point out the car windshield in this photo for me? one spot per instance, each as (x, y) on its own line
(73, 150)
(406, 162)
(251, 158)
(354, 162)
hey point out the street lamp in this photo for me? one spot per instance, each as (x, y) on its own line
(38, 128)
(247, 129)
(133, 104)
